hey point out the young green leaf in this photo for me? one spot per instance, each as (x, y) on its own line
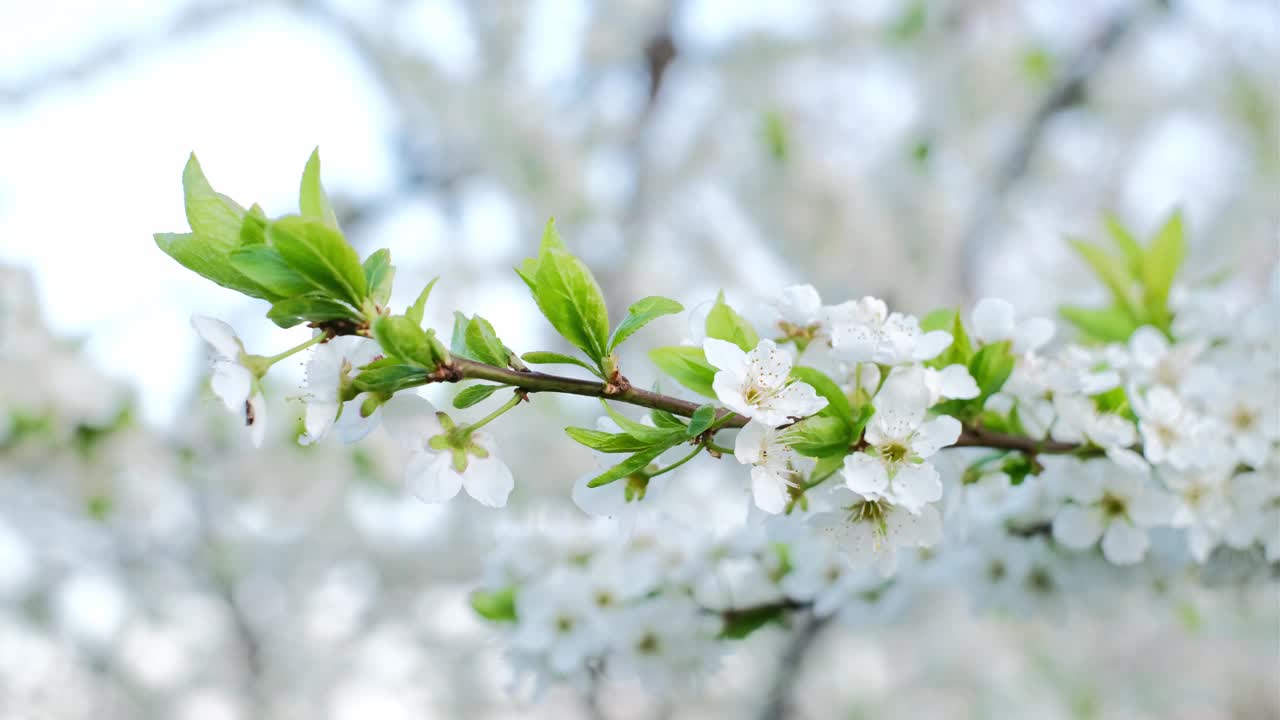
(1160, 264)
(667, 421)
(569, 297)
(641, 313)
(827, 466)
(541, 357)
(312, 199)
(458, 338)
(645, 433)
(724, 323)
(253, 230)
(960, 351)
(632, 465)
(379, 274)
(1110, 271)
(819, 436)
(528, 268)
(687, 365)
(495, 605)
(402, 338)
(606, 442)
(211, 215)
(474, 394)
(837, 401)
(390, 378)
(418, 309)
(940, 319)
(210, 260)
(320, 254)
(309, 308)
(701, 420)
(1103, 325)
(263, 265)
(1127, 243)
(990, 368)
(483, 343)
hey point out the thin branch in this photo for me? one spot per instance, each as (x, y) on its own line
(778, 703)
(1065, 93)
(622, 391)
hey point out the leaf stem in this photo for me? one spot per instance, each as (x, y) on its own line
(699, 448)
(321, 337)
(514, 401)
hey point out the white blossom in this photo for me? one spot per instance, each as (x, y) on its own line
(773, 465)
(894, 468)
(1113, 503)
(757, 384)
(440, 465)
(871, 531)
(995, 320)
(332, 365)
(234, 381)
(864, 331)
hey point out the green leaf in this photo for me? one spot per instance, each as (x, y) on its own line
(540, 357)
(641, 313)
(741, 623)
(264, 266)
(312, 199)
(724, 323)
(309, 308)
(571, 300)
(458, 338)
(632, 465)
(1127, 243)
(819, 436)
(419, 307)
(1110, 271)
(640, 431)
(1160, 264)
(960, 351)
(701, 420)
(827, 466)
(990, 368)
(606, 442)
(495, 605)
(687, 365)
(211, 215)
(379, 274)
(474, 394)
(1103, 325)
(483, 343)
(402, 338)
(665, 420)
(940, 319)
(253, 231)
(391, 377)
(209, 260)
(837, 401)
(320, 254)
(528, 268)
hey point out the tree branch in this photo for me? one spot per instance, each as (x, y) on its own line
(463, 369)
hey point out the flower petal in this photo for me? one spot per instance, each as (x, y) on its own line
(411, 420)
(1077, 527)
(605, 501)
(865, 475)
(936, 434)
(769, 490)
(220, 336)
(488, 480)
(431, 478)
(992, 320)
(914, 486)
(1124, 544)
(725, 356)
(231, 382)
